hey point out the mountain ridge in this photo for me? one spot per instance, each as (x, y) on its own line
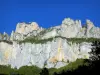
(54, 47)
(69, 28)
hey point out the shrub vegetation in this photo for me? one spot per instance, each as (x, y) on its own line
(33, 70)
(36, 40)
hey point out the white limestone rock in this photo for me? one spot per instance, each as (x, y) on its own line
(85, 48)
(89, 24)
(60, 64)
(68, 22)
(24, 28)
(5, 53)
(52, 33)
(5, 36)
(52, 54)
(49, 54)
(12, 36)
(70, 28)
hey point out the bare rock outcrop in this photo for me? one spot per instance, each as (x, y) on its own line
(56, 53)
(42, 48)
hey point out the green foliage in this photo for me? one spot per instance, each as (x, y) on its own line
(25, 70)
(80, 40)
(71, 66)
(33, 70)
(9, 42)
(36, 40)
(44, 71)
(5, 69)
(29, 70)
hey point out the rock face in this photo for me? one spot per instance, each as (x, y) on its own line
(74, 29)
(69, 28)
(24, 30)
(4, 36)
(56, 53)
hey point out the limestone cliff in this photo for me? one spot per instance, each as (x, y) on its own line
(49, 54)
(16, 51)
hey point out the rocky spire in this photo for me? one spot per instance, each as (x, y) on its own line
(24, 28)
(12, 36)
(68, 21)
(5, 36)
(34, 25)
(89, 26)
(69, 28)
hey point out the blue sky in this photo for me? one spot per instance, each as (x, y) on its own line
(46, 13)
